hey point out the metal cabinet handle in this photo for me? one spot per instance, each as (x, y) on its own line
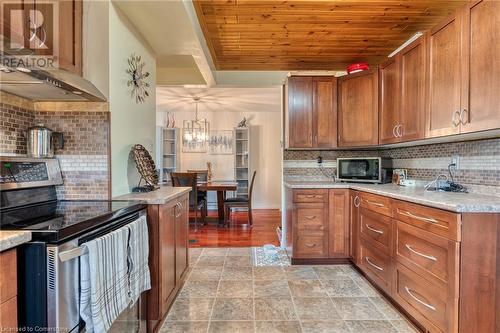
(464, 120)
(373, 229)
(372, 264)
(356, 201)
(399, 130)
(454, 119)
(408, 290)
(420, 253)
(394, 131)
(311, 196)
(310, 217)
(310, 245)
(179, 208)
(421, 218)
(378, 204)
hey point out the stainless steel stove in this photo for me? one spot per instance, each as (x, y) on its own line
(28, 201)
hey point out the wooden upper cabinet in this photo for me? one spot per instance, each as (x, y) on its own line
(389, 101)
(299, 114)
(311, 117)
(324, 112)
(444, 79)
(358, 109)
(412, 61)
(402, 94)
(481, 36)
(70, 35)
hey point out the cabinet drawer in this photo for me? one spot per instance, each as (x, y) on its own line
(310, 196)
(432, 256)
(311, 219)
(376, 265)
(376, 229)
(307, 246)
(376, 203)
(8, 275)
(424, 300)
(437, 221)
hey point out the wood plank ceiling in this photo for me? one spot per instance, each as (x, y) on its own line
(312, 35)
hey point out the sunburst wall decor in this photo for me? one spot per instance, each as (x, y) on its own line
(137, 78)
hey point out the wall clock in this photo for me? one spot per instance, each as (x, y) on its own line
(137, 83)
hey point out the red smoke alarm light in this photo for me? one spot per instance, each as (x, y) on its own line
(359, 67)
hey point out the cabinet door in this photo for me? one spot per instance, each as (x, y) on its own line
(70, 35)
(358, 109)
(412, 104)
(354, 202)
(299, 112)
(444, 86)
(389, 101)
(310, 230)
(338, 224)
(482, 62)
(181, 241)
(324, 112)
(167, 254)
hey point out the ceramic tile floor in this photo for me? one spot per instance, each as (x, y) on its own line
(224, 293)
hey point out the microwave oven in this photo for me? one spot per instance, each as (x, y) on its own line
(364, 169)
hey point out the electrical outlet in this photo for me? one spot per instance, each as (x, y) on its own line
(319, 159)
(455, 159)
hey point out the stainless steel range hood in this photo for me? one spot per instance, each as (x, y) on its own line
(50, 85)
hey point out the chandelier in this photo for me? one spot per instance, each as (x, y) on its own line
(195, 132)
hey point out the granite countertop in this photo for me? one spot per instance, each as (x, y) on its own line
(456, 202)
(157, 197)
(10, 239)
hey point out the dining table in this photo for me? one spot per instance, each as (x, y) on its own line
(221, 188)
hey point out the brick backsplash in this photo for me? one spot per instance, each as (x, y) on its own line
(479, 162)
(85, 133)
(14, 123)
(84, 158)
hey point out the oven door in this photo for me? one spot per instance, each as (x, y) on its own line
(359, 169)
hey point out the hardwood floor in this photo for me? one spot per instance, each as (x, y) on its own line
(265, 222)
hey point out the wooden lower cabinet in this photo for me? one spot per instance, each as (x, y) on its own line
(8, 291)
(442, 268)
(354, 203)
(376, 264)
(317, 225)
(168, 257)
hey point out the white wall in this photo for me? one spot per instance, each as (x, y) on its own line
(224, 108)
(95, 39)
(131, 123)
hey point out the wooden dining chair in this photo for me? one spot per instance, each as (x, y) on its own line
(240, 202)
(202, 177)
(189, 179)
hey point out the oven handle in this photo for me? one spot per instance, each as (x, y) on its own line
(73, 253)
(81, 250)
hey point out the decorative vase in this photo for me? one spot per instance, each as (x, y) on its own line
(166, 121)
(209, 171)
(172, 121)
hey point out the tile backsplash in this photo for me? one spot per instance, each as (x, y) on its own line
(479, 162)
(84, 158)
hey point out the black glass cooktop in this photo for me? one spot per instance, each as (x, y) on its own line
(59, 220)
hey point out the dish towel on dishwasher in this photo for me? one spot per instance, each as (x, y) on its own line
(138, 252)
(104, 280)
